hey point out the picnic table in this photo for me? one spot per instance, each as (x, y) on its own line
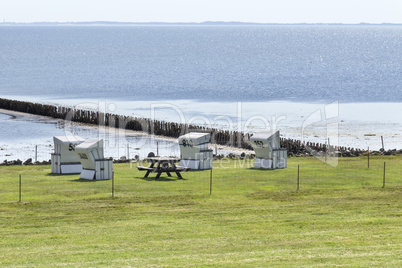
(161, 165)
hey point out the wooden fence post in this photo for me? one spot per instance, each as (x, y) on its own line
(210, 182)
(113, 184)
(383, 178)
(19, 186)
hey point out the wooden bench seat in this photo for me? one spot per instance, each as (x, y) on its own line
(182, 169)
(145, 168)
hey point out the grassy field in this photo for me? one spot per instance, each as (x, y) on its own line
(341, 216)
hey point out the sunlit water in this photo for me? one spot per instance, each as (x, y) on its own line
(232, 77)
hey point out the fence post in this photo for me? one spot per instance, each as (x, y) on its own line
(19, 186)
(210, 182)
(112, 184)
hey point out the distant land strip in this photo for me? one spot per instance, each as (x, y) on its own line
(205, 23)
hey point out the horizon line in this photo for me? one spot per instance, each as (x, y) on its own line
(199, 23)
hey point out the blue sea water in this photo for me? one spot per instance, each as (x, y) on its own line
(303, 63)
(233, 77)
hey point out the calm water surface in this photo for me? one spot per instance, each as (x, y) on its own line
(205, 63)
(280, 74)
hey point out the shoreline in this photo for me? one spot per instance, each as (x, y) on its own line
(223, 151)
(356, 122)
(104, 132)
(318, 131)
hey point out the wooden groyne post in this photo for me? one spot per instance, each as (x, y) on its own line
(168, 129)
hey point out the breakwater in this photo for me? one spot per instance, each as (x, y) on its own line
(235, 139)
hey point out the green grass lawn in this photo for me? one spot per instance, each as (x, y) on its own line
(341, 216)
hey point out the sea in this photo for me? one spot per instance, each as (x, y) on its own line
(339, 84)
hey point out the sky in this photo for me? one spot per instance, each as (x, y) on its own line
(261, 11)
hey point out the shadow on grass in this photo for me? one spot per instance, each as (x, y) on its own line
(82, 180)
(75, 180)
(261, 169)
(161, 179)
(60, 175)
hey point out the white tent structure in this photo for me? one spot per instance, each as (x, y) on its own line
(64, 159)
(267, 149)
(194, 152)
(94, 165)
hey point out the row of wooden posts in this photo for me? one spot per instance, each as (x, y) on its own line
(168, 129)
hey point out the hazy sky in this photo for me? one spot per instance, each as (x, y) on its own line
(271, 11)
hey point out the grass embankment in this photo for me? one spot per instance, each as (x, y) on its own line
(254, 218)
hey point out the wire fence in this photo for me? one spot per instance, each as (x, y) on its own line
(229, 177)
